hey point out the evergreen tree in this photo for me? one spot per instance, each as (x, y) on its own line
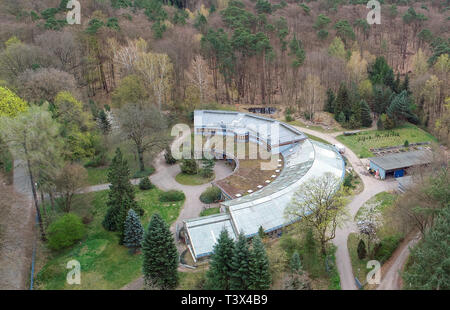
(160, 256)
(329, 104)
(366, 118)
(381, 98)
(399, 109)
(405, 85)
(342, 104)
(295, 264)
(120, 195)
(240, 265)
(219, 273)
(105, 125)
(207, 170)
(362, 252)
(261, 232)
(133, 231)
(260, 277)
(189, 166)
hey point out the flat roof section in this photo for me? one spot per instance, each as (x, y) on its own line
(240, 121)
(402, 160)
(204, 231)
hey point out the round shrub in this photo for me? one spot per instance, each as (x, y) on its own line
(211, 194)
(171, 195)
(145, 184)
(65, 231)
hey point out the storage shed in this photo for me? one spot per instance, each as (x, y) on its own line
(395, 164)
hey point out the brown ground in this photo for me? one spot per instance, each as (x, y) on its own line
(16, 238)
(249, 175)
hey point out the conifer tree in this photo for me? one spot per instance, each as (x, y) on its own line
(260, 277)
(104, 123)
(362, 253)
(366, 118)
(160, 256)
(295, 264)
(329, 104)
(120, 195)
(133, 231)
(261, 232)
(240, 265)
(219, 273)
(342, 103)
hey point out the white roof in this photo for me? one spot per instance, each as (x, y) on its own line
(244, 122)
(265, 207)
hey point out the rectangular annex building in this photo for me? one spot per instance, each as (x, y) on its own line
(396, 163)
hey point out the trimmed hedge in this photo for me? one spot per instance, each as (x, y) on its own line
(171, 195)
(211, 194)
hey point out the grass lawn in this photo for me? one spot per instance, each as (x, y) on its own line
(97, 175)
(192, 179)
(210, 211)
(362, 142)
(104, 263)
(312, 137)
(192, 280)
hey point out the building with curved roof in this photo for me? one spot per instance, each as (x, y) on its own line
(264, 207)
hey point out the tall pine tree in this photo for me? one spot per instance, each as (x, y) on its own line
(133, 231)
(342, 103)
(240, 265)
(260, 277)
(160, 256)
(219, 273)
(120, 195)
(329, 104)
(366, 118)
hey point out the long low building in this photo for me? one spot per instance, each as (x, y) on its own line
(395, 164)
(303, 159)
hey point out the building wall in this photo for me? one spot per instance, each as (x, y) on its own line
(380, 170)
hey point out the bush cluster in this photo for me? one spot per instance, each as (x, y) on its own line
(211, 194)
(65, 231)
(171, 195)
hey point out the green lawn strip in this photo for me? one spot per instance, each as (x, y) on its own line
(360, 143)
(194, 179)
(210, 211)
(315, 138)
(192, 280)
(97, 175)
(359, 266)
(104, 263)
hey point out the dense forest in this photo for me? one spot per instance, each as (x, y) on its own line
(179, 54)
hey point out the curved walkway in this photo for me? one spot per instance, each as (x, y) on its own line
(372, 187)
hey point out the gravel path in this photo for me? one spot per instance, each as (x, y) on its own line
(391, 279)
(18, 232)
